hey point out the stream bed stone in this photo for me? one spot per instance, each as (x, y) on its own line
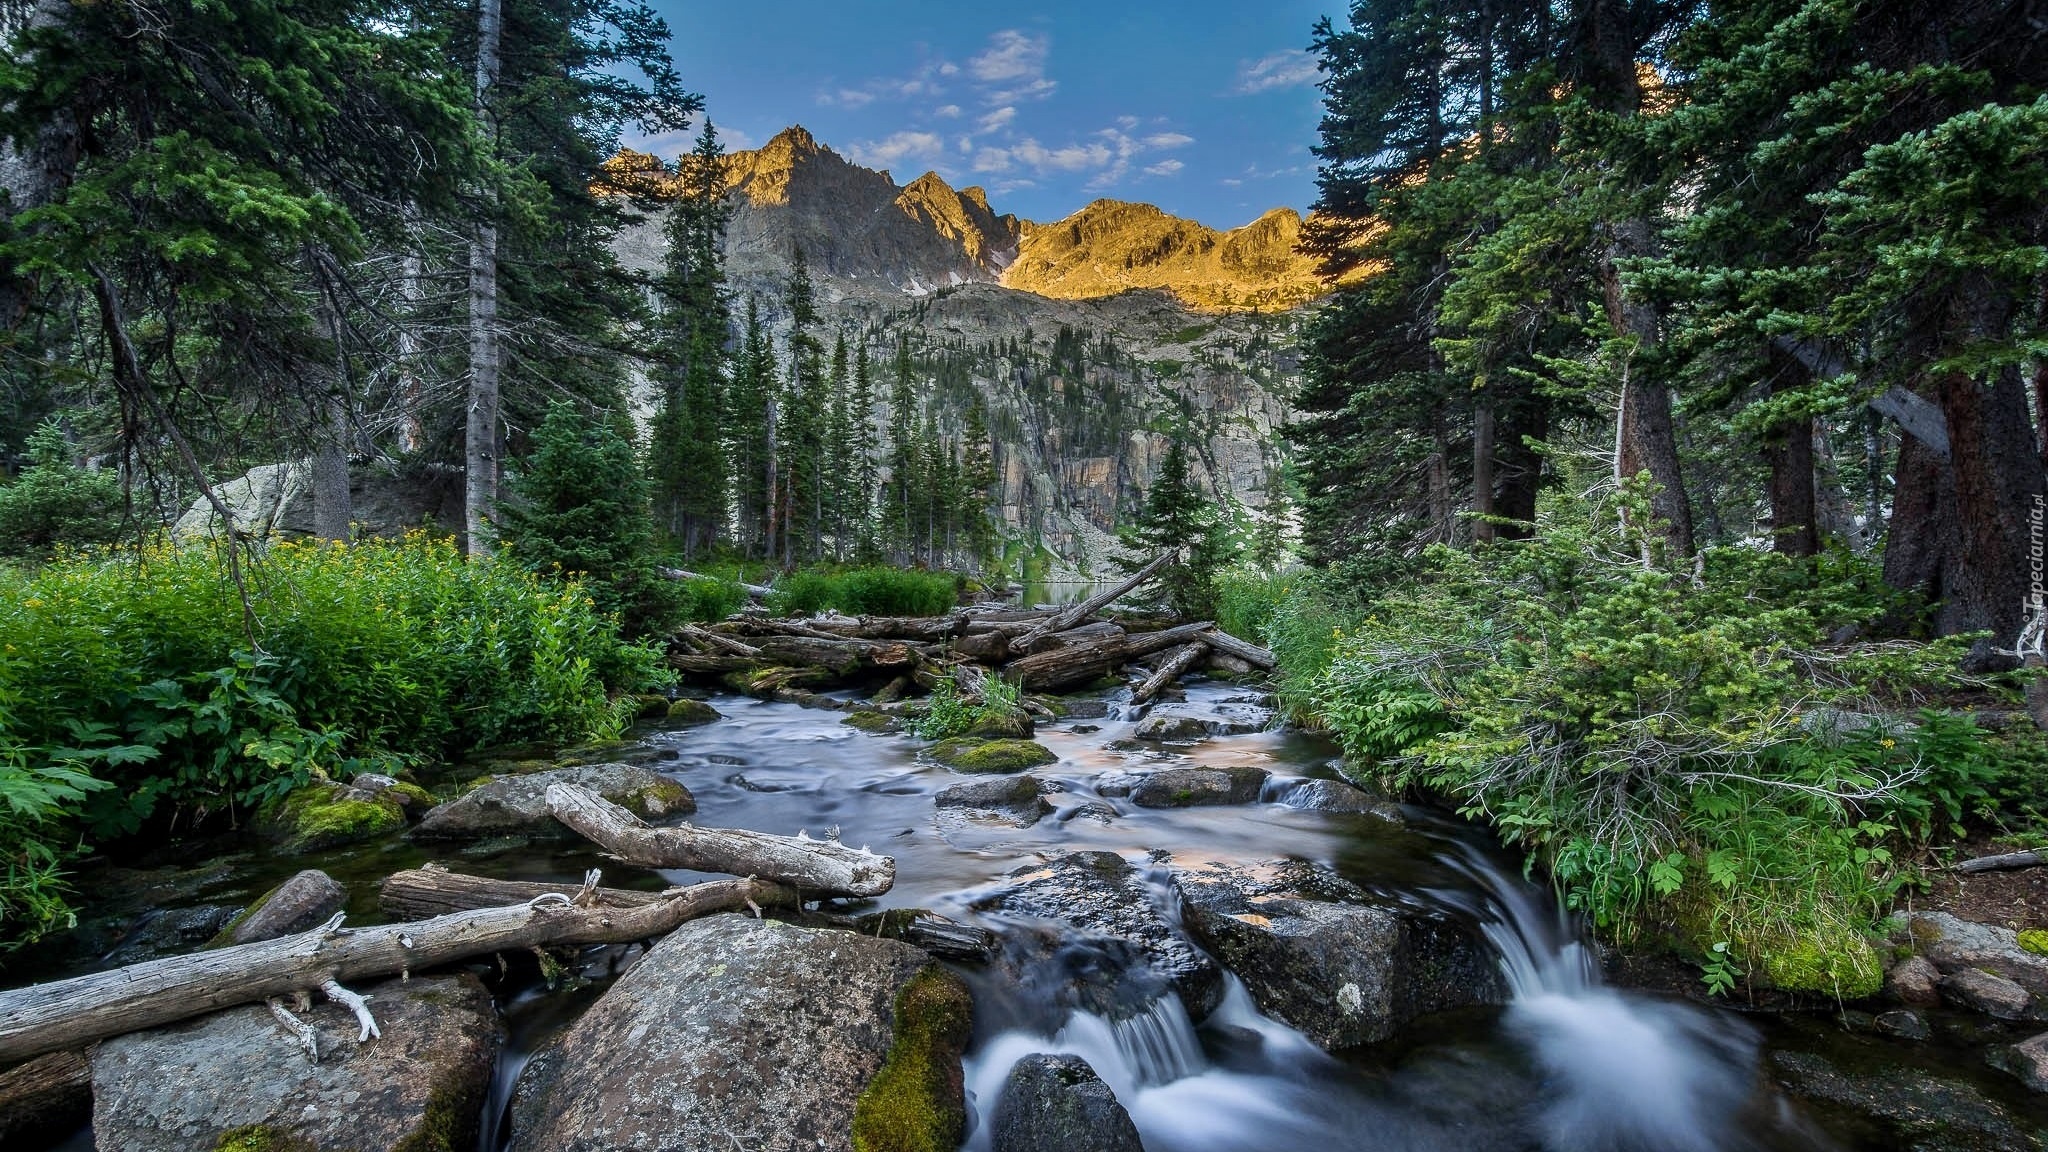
(518, 805)
(1058, 1104)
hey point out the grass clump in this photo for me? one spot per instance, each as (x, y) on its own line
(916, 1103)
(875, 591)
(953, 713)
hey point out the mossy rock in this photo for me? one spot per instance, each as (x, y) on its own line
(260, 1138)
(965, 754)
(2034, 940)
(1845, 966)
(915, 1102)
(650, 707)
(328, 815)
(871, 722)
(687, 712)
(1014, 724)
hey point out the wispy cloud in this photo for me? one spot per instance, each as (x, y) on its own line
(1164, 168)
(896, 148)
(1288, 68)
(1169, 140)
(1013, 67)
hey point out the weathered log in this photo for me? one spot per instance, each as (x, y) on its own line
(70, 1013)
(1082, 634)
(2004, 862)
(1178, 661)
(816, 867)
(841, 657)
(704, 638)
(1060, 667)
(991, 647)
(756, 591)
(711, 665)
(1069, 617)
(764, 626)
(45, 1099)
(1145, 643)
(1230, 645)
(423, 893)
(944, 938)
(922, 629)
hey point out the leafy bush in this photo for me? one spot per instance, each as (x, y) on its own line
(54, 503)
(952, 714)
(866, 592)
(138, 667)
(1679, 746)
(1247, 601)
(707, 599)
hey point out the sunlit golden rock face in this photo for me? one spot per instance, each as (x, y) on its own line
(1112, 246)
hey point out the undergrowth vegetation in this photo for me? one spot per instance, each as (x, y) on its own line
(953, 713)
(873, 591)
(1693, 750)
(133, 685)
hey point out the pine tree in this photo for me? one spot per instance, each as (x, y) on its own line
(838, 485)
(804, 414)
(749, 405)
(976, 495)
(1178, 518)
(686, 456)
(904, 457)
(862, 508)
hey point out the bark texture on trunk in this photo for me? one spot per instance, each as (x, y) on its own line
(480, 449)
(1647, 440)
(34, 171)
(1788, 450)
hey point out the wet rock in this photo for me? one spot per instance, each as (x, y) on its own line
(1986, 992)
(324, 814)
(1164, 726)
(519, 805)
(1317, 953)
(1019, 799)
(1098, 813)
(740, 1033)
(942, 937)
(235, 1079)
(1906, 1108)
(1117, 785)
(168, 931)
(1088, 708)
(1085, 729)
(2026, 1060)
(1058, 1104)
(871, 721)
(1916, 981)
(1955, 946)
(1902, 1024)
(1191, 787)
(689, 713)
(1337, 796)
(965, 754)
(302, 902)
(1101, 896)
(1015, 724)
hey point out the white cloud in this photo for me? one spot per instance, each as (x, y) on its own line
(1013, 67)
(897, 148)
(1288, 68)
(1164, 168)
(1169, 140)
(1000, 118)
(947, 111)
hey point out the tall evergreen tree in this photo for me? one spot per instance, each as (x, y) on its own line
(748, 436)
(976, 490)
(862, 509)
(686, 453)
(1179, 518)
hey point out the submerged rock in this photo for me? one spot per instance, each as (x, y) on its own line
(1906, 1108)
(304, 901)
(1337, 796)
(2026, 1060)
(236, 1080)
(167, 931)
(1016, 799)
(742, 1033)
(519, 804)
(1099, 895)
(872, 721)
(688, 712)
(1168, 726)
(1058, 1104)
(1190, 787)
(966, 754)
(1318, 954)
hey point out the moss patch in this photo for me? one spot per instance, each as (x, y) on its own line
(915, 1103)
(260, 1138)
(871, 722)
(688, 711)
(322, 816)
(2035, 940)
(969, 755)
(1845, 967)
(448, 1124)
(657, 800)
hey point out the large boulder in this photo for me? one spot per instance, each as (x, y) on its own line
(742, 1033)
(1192, 787)
(1195, 721)
(1319, 954)
(1101, 897)
(277, 500)
(1337, 796)
(518, 805)
(1982, 966)
(1014, 800)
(236, 1080)
(971, 754)
(302, 902)
(1058, 1104)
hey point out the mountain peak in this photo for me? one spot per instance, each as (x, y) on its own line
(795, 138)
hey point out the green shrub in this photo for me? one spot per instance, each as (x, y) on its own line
(1247, 601)
(54, 503)
(707, 600)
(1677, 745)
(866, 592)
(138, 666)
(952, 714)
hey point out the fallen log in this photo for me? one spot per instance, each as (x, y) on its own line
(47, 1098)
(922, 629)
(756, 591)
(711, 665)
(726, 645)
(2004, 862)
(815, 867)
(839, 656)
(1230, 645)
(1082, 634)
(1145, 643)
(1080, 663)
(1180, 660)
(423, 893)
(72, 1013)
(1069, 617)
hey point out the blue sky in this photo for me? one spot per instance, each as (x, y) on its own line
(1204, 108)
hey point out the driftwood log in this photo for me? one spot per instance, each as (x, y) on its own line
(1080, 663)
(1068, 617)
(815, 867)
(756, 591)
(68, 1014)
(2004, 862)
(45, 1099)
(1177, 662)
(423, 893)
(1067, 638)
(1230, 645)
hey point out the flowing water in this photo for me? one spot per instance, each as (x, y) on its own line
(1569, 1064)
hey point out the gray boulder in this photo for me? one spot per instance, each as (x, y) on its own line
(1318, 954)
(1016, 800)
(236, 1080)
(1985, 992)
(1101, 898)
(1337, 796)
(1966, 952)
(2026, 1060)
(1192, 787)
(742, 1033)
(302, 902)
(1170, 726)
(1906, 1108)
(1058, 1104)
(518, 805)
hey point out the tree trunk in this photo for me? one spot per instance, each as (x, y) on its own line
(1920, 545)
(480, 489)
(815, 867)
(1179, 661)
(1080, 663)
(424, 893)
(45, 1100)
(1069, 617)
(331, 510)
(1483, 531)
(33, 172)
(1230, 645)
(412, 429)
(72, 1013)
(1788, 449)
(1647, 439)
